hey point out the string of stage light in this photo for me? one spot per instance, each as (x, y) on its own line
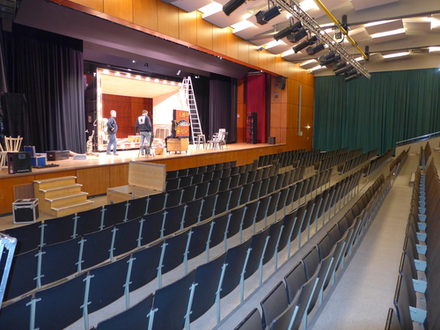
(312, 26)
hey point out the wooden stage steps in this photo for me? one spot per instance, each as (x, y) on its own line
(61, 196)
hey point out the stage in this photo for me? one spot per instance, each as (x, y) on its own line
(97, 173)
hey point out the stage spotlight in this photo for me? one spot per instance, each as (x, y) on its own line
(230, 6)
(178, 72)
(343, 70)
(295, 37)
(340, 65)
(330, 58)
(304, 44)
(353, 76)
(288, 30)
(315, 49)
(264, 16)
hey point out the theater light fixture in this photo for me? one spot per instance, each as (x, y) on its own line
(298, 11)
(343, 69)
(304, 44)
(329, 58)
(295, 37)
(232, 5)
(264, 16)
(288, 30)
(315, 49)
(353, 76)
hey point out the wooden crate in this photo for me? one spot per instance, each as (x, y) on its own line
(144, 179)
(177, 144)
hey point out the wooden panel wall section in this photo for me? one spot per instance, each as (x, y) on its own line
(167, 19)
(119, 8)
(204, 32)
(145, 13)
(188, 26)
(95, 180)
(93, 4)
(241, 112)
(118, 175)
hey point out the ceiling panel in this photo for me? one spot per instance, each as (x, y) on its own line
(190, 5)
(388, 26)
(398, 36)
(364, 4)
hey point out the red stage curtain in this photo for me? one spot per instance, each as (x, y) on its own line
(256, 102)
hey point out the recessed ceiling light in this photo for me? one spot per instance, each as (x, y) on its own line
(211, 9)
(393, 55)
(388, 33)
(435, 23)
(434, 49)
(378, 23)
(243, 25)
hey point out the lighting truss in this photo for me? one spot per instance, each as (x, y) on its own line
(293, 7)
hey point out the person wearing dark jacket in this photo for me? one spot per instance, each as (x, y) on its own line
(112, 129)
(143, 127)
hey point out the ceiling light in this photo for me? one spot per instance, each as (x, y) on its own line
(178, 72)
(274, 43)
(288, 30)
(295, 37)
(315, 49)
(264, 16)
(378, 23)
(287, 53)
(117, 73)
(133, 61)
(240, 26)
(304, 44)
(307, 5)
(318, 67)
(156, 80)
(435, 23)
(308, 62)
(358, 59)
(393, 55)
(232, 5)
(246, 16)
(388, 33)
(106, 71)
(211, 9)
(433, 49)
(147, 79)
(138, 77)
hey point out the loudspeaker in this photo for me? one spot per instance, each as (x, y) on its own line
(271, 140)
(19, 162)
(281, 82)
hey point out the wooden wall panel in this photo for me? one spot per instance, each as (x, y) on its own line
(145, 13)
(94, 4)
(95, 180)
(219, 40)
(118, 175)
(188, 26)
(243, 51)
(204, 32)
(167, 19)
(119, 8)
(241, 112)
(232, 45)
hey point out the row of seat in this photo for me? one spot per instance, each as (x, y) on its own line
(425, 154)
(417, 290)
(334, 158)
(196, 178)
(379, 161)
(173, 249)
(60, 229)
(355, 161)
(89, 248)
(296, 301)
(199, 170)
(286, 158)
(396, 163)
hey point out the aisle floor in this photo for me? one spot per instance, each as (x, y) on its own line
(365, 291)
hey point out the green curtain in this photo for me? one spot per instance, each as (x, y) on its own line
(376, 113)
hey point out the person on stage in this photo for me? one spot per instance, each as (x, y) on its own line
(143, 127)
(112, 129)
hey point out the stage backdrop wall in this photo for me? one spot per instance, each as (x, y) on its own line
(376, 113)
(127, 108)
(48, 69)
(256, 102)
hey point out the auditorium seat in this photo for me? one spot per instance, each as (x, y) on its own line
(173, 198)
(294, 280)
(220, 230)
(107, 284)
(323, 274)
(207, 280)
(59, 260)
(250, 213)
(275, 231)
(245, 194)
(90, 221)
(192, 212)
(200, 239)
(145, 265)
(114, 214)
(151, 227)
(126, 238)
(59, 306)
(234, 198)
(208, 207)
(96, 248)
(134, 318)
(288, 226)
(187, 195)
(59, 229)
(174, 251)
(16, 315)
(235, 221)
(311, 262)
(156, 203)
(172, 184)
(251, 322)
(213, 188)
(257, 246)
(174, 220)
(274, 304)
(28, 237)
(201, 190)
(170, 304)
(137, 208)
(222, 200)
